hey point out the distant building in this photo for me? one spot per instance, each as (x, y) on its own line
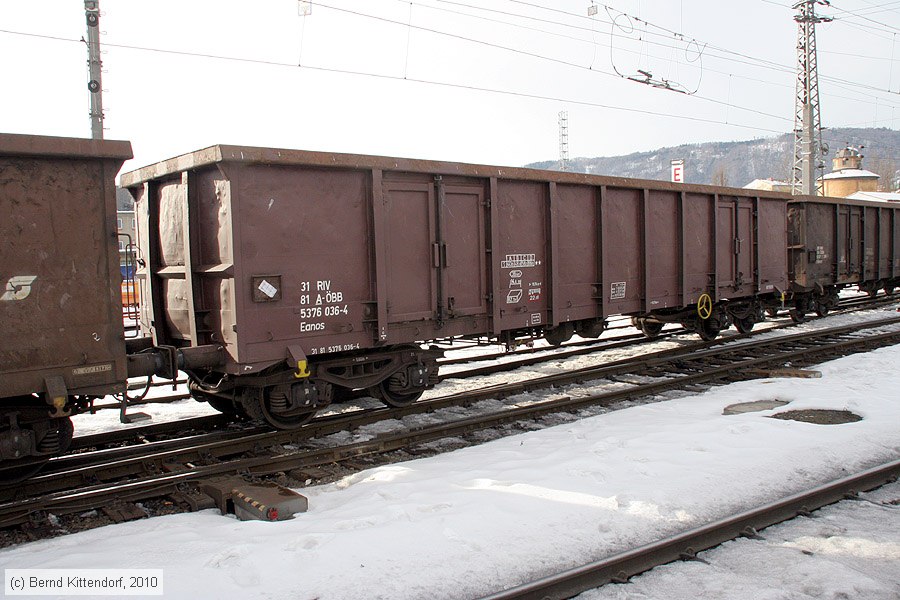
(848, 176)
(878, 196)
(769, 185)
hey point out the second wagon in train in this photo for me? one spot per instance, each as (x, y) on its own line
(320, 272)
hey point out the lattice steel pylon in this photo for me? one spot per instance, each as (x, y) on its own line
(563, 140)
(808, 147)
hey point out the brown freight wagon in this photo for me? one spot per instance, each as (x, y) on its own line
(837, 242)
(61, 332)
(323, 272)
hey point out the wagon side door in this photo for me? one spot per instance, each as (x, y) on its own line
(745, 255)
(850, 241)
(460, 251)
(735, 251)
(411, 280)
(520, 224)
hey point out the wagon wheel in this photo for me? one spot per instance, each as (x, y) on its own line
(393, 398)
(261, 406)
(821, 308)
(592, 329)
(745, 325)
(889, 289)
(223, 405)
(797, 315)
(708, 330)
(290, 422)
(558, 335)
(772, 312)
(870, 288)
(650, 329)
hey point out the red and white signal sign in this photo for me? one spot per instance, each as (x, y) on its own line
(678, 171)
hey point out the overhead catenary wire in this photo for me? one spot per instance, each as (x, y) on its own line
(747, 59)
(722, 103)
(883, 26)
(384, 76)
(529, 54)
(710, 51)
(725, 103)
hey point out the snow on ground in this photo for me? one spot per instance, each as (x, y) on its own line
(846, 551)
(108, 419)
(476, 520)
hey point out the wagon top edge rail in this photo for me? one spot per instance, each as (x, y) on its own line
(14, 144)
(287, 157)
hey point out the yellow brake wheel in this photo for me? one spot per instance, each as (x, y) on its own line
(704, 307)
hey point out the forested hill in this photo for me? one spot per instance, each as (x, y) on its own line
(739, 163)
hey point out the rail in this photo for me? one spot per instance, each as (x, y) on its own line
(620, 567)
(156, 471)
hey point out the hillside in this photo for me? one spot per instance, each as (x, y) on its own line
(739, 163)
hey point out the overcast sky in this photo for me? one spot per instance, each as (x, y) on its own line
(463, 80)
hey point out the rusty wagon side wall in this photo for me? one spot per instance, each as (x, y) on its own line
(843, 242)
(60, 302)
(278, 254)
(268, 259)
(689, 243)
(568, 252)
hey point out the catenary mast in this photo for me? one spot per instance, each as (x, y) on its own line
(95, 84)
(808, 146)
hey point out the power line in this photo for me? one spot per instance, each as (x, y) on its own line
(384, 76)
(724, 103)
(866, 56)
(750, 61)
(530, 54)
(865, 18)
(464, 38)
(747, 59)
(878, 8)
(786, 70)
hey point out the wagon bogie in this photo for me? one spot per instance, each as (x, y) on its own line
(591, 328)
(287, 405)
(29, 437)
(560, 334)
(745, 315)
(649, 327)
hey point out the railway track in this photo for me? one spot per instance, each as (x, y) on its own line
(685, 546)
(163, 431)
(501, 362)
(173, 468)
(217, 429)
